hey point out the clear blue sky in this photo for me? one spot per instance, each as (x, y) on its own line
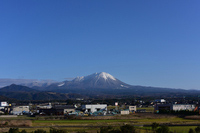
(140, 42)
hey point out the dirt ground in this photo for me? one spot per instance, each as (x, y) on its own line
(15, 123)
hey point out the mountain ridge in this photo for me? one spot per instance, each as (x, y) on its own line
(25, 93)
(94, 85)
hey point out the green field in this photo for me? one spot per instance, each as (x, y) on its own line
(86, 125)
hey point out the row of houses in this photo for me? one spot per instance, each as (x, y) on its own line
(57, 109)
(89, 109)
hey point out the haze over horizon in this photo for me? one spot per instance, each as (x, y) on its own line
(148, 43)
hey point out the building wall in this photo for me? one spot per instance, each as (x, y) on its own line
(162, 107)
(68, 111)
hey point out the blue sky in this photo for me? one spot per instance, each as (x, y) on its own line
(140, 42)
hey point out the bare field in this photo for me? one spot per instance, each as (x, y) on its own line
(15, 123)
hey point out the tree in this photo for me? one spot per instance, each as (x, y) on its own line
(13, 130)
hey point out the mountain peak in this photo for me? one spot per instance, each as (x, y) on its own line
(105, 76)
(97, 76)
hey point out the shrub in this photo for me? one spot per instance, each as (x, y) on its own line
(53, 130)
(154, 126)
(39, 131)
(163, 129)
(23, 131)
(123, 129)
(81, 132)
(191, 131)
(105, 129)
(127, 129)
(6, 123)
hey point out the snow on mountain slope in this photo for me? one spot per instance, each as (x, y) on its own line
(105, 76)
(61, 84)
(97, 76)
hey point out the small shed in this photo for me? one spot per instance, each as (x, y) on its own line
(124, 112)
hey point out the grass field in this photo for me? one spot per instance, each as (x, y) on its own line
(111, 122)
(91, 125)
(175, 129)
(136, 121)
(148, 109)
(182, 129)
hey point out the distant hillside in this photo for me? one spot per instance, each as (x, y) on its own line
(17, 88)
(3, 98)
(25, 93)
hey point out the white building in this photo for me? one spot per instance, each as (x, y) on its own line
(124, 112)
(160, 100)
(91, 108)
(4, 104)
(45, 106)
(178, 107)
(132, 108)
(20, 110)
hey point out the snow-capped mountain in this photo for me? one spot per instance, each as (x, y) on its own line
(94, 85)
(99, 80)
(94, 81)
